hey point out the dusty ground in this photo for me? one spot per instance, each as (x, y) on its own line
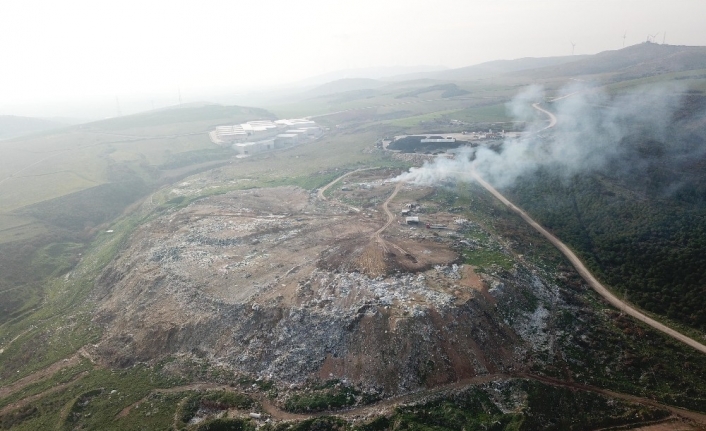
(266, 242)
(669, 425)
(292, 285)
(285, 284)
(39, 375)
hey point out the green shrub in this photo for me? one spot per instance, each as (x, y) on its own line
(226, 425)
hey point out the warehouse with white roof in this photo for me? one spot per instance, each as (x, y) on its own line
(269, 134)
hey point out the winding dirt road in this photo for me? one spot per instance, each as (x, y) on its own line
(385, 206)
(277, 413)
(552, 117)
(580, 267)
(697, 417)
(390, 216)
(323, 189)
(372, 409)
(6, 390)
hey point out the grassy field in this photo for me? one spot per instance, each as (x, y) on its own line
(17, 228)
(690, 80)
(483, 114)
(49, 165)
(419, 120)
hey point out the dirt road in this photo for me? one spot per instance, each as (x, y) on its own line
(552, 117)
(687, 414)
(32, 398)
(323, 189)
(390, 218)
(52, 369)
(386, 208)
(380, 407)
(581, 268)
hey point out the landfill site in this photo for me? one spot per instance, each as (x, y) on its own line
(361, 281)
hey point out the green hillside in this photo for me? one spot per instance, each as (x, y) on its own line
(65, 186)
(72, 201)
(640, 221)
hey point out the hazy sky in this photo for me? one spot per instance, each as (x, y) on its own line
(56, 50)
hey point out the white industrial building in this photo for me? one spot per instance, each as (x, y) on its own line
(241, 132)
(249, 148)
(256, 136)
(300, 132)
(296, 123)
(412, 220)
(286, 140)
(231, 133)
(262, 125)
(313, 130)
(438, 139)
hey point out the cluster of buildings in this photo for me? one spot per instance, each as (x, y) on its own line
(437, 139)
(407, 213)
(264, 135)
(476, 136)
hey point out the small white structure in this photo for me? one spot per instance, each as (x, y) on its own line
(262, 125)
(438, 139)
(301, 132)
(246, 148)
(286, 140)
(312, 130)
(412, 220)
(231, 133)
(295, 123)
(250, 148)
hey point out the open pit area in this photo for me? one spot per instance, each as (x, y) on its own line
(290, 285)
(265, 242)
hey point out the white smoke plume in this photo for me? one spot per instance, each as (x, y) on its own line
(590, 126)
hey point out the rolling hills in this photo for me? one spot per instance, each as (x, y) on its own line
(153, 280)
(12, 126)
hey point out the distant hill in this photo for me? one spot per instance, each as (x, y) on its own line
(209, 114)
(447, 90)
(490, 68)
(637, 61)
(645, 59)
(12, 126)
(367, 73)
(344, 85)
(189, 105)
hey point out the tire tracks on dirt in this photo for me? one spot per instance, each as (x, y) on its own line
(52, 369)
(323, 189)
(27, 400)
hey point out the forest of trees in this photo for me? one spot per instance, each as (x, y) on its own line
(639, 222)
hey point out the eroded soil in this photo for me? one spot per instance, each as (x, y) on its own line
(284, 284)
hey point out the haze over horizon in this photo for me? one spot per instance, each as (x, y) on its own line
(106, 52)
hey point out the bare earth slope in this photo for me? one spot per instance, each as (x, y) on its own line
(274, 283)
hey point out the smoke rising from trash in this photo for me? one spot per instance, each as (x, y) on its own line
(590, 127)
